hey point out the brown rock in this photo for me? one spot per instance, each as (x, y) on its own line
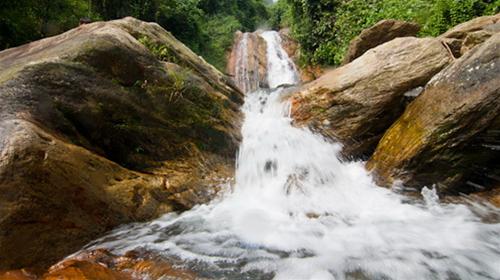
(473, 39)
(465, 36)
(101, 264)
(356, 103)
(84, 270)
(492, 196)
(290, 46)
(460, 31)
(255, 68)
(21, 274)
(383, 31)
(108, 123)
(449, 135)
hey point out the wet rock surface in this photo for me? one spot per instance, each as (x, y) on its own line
(247, 62)
(109, 123)
(101, 264)
(449, 135)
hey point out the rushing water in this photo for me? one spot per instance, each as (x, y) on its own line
(298, 212)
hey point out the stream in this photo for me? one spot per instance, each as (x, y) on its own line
(297, 211)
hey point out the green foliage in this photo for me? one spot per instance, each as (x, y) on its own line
(161, 52)
(221, 29)
(325, 27)
(280, 15)
(22, 21)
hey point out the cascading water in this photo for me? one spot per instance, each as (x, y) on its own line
(298, 212)
(281, 69)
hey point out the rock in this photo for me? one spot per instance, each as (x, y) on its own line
(489, 23)
(103, 265)
(473, 39)
(450, 134)
(17, 275)
(382, 32)
(467, 35)
(251, 73)
(83, 270)
(492, 196)
(453, 45)
(108, 123)
(356, 103)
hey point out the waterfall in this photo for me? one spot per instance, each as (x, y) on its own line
(296, 211)
(281, 70)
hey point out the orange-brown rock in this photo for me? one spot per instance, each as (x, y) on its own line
(101, 264)
(255, 51)
(20, 274)
(108, 123)
(492, 196)
(84, 270)
(357, 102)
(383, 31)
(449, 134)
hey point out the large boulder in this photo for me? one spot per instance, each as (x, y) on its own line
(356, 103)
(108, 123)
(383, 31)
(449, 135)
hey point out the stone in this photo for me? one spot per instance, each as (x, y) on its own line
(382, 32)
(20, 274)
(101, 264)
(449, 135)
(256, 68)
(473, 39)
(469, 34)
(360, 100)
(490, 23)
(109, 123)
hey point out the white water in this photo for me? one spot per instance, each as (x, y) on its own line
(297, 212)
(281, 70)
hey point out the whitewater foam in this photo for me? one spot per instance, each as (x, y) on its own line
(297, 211)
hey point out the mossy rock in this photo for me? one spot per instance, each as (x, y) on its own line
(449, 135)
